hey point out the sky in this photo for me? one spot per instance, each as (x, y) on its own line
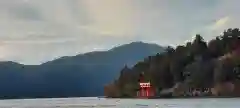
(35, 31)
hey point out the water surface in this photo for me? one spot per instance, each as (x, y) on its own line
(94, 102)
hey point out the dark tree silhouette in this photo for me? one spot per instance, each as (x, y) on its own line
(198, 64)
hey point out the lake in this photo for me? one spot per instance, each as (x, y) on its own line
(94, 102)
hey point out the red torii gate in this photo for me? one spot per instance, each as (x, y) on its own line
(146, 90)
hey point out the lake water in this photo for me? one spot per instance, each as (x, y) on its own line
(93, 102)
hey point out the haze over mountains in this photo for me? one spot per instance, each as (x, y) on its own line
(80, 75)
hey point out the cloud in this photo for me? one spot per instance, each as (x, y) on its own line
(220, 23)
(48, 29)
(25, 12)
(114, 18)
(223, 15)
(215, 28)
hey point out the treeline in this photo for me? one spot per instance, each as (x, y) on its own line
(197, 64)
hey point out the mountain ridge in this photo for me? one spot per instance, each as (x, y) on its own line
(80, 75)
(88, 53)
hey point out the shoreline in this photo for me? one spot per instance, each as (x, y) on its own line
(99, 97)
(200, 97)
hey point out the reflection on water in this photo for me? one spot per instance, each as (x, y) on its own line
(94, 102)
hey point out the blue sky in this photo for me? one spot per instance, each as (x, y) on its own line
(35, 31)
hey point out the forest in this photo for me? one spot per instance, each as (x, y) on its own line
(197, 65)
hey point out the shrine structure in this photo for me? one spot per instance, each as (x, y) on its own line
(146, 90)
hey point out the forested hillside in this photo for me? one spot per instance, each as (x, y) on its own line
(197, 65)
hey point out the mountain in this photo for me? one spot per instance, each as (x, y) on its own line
(80, 75)
(128, 53)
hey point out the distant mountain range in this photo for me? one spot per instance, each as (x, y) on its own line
(80, 75)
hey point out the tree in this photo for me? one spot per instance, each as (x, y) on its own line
(215, 48)
(199, 46)
(170, 50)
(230, 39)
(216, 63)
